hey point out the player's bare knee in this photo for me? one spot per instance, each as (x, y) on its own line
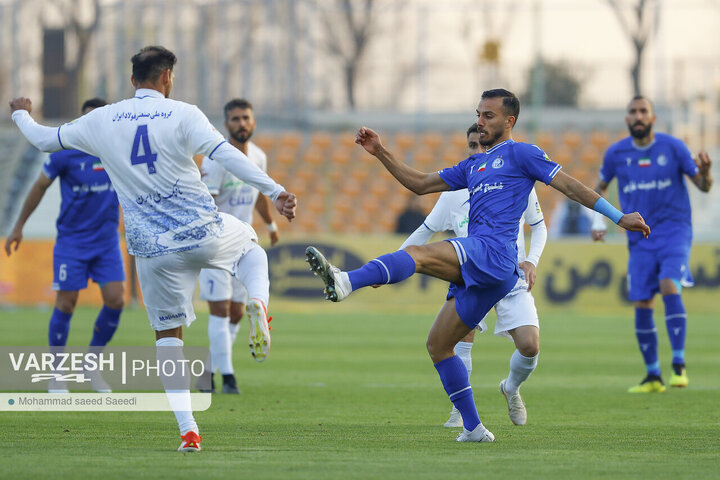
(116, 303)
(529, 348)
(66, 301)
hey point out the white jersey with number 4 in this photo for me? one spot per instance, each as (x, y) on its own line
(146, 144)
(232, 195)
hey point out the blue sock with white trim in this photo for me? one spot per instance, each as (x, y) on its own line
(389, 268)
(105, 325)
(647, 339)
(676, 322)
(59, 328)
(455, 380)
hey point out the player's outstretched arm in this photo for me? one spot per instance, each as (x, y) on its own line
(31, 202)
(416, 181)
(703, 180)
(42, 137)
(598, 229)
(575, 190)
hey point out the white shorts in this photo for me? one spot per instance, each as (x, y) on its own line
(219, 285)
(515, 310)
(168, 281)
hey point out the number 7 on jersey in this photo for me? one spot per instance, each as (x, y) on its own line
(147, 157)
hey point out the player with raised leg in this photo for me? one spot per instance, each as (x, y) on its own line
(517, 317)
(225, 295)
(172, 225)
(87, 245)
(481, 267)
(650, 168)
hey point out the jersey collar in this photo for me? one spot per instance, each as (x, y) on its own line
(636, 147)
(147, 92)
(498, 146)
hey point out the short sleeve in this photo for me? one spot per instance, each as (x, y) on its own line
(536, 163)
(212, 175)
(685, 159)
(439, 217)
(80, 133)
(54, 165)
(456, 176)
(533, 213)
(607, 171)
(202, 137)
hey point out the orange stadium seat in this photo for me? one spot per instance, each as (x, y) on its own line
(291, 141)
(321, 141)
(404, 141)
(347, 140)
(591, 157)
(286, 157)
(265, 142)
(341, 155)
(432, 141)
(422, 158)
(458, 141)
(313, 158)
(600, 140)
(545, 140)
(572, 140)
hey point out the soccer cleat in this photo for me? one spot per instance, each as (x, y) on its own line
(516, 406)
(57, 387)
(679, 377)
(337, 283)
(190, 442)
(259, 330)
(205, 382)
(455, 419)
(230, 384)
(650, 384)
(480, 434)
(97, 382)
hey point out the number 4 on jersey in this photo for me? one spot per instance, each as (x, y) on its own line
(147, 157)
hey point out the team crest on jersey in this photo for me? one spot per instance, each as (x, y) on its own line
(662, 160)
(498, 162)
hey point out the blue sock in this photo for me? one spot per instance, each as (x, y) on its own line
(389, 268)
(647, 339)
(59, 328)
(105, 326)
(454, 377)
(676, 322)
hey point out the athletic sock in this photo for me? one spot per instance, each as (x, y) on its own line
(179, 398)
(454, 377)
(520, 369)
(220, 344)
(464, 351)
(105, 325)
(676, 322)
(252, 271)
(389, 268)
(647, 339)
(59, 328)
(234, 328)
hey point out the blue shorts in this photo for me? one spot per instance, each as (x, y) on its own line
(489, 272)
(72, 266)
(646, 269)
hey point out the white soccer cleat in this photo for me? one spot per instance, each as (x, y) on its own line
(57, 387)
(259, 330)
(455, 419)
(337, 283)
(97, 382)
(516, 406)
(480, 434)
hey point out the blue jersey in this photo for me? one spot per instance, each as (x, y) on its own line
(651, 181)
(499, 181)
(89, 211)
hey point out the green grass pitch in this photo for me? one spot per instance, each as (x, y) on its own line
(353, 395)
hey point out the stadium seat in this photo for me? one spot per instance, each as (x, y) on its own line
(545, 140)
(265, 142)
(291, 140)
(321, 141)
(313, 158)
(599, 140)
(572, 140)
(286, 157)
(458, 141)
(432, 141)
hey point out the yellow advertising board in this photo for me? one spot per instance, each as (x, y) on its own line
(573, 274)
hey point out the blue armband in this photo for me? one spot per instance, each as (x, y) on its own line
(604, 207)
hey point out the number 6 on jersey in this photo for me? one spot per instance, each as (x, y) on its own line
(147, 157)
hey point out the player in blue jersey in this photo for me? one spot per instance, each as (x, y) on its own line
(482, 267)
(87, 244)
(650, 169)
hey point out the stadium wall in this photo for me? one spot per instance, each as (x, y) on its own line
(573, 274)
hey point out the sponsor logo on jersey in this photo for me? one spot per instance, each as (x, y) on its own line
(644, 162)
(97, 166)
(546, 157)
(498, 162)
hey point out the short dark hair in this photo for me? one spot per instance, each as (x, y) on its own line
(511, 103)
(473, 129)
(93, 103)
(151, 61)
(237, 103)
(642, 97)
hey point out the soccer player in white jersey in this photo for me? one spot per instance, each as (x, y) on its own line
(172, 226)
(225, 295)
(517, 317)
